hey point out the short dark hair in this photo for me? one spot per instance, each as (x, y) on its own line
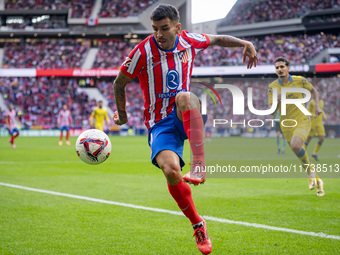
(282, 59)
(164, 11)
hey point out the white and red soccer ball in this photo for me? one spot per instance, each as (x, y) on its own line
(93, 146)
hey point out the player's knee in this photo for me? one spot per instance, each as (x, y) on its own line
(171, 170)
(296, 147)
(186, 101)
(183, 100)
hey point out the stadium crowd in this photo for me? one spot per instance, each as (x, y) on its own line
(134, 104)
(80, 8)
(67, 53)
(248, 11)
(123, 9)
(112, 53)
(300, 49)
(40, 99)
(83, 8)
(45, 53)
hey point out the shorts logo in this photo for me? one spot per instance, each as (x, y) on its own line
(172, 79)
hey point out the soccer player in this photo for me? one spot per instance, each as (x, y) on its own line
(99, 113)
(296, 135)
(12, 122)
(317, 127)
(64, 121)
(163, 63)
(278, 134)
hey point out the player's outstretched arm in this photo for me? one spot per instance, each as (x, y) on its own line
(120, 116)
(231, 41)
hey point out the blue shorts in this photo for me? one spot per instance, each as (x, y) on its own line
(168, 134)
(14, 130)
(67, 128)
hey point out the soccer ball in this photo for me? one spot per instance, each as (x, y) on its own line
(93, 146)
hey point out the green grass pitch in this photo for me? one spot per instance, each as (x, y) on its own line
(39, 223)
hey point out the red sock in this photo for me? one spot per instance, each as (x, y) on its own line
(61, 136)
(182, 194)
(67, 135)
(194, 128)
(15, 136)
(12, 139)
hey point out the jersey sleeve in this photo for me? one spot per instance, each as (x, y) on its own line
(306, 84)
(133, 63)
(198, 41)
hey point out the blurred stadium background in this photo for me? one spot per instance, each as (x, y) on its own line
(58, 51)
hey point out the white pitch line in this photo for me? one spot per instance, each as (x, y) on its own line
(255, 225)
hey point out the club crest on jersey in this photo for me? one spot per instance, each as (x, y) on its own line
(172, 79)
(183, 56)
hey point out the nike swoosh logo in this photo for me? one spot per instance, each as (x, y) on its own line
(185, 208)
(154, 64)
(199, 144)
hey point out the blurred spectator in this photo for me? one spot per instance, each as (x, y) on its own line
(123, 8)
(301, 49)
(45, 53)
(80, 8)
(111, 53)
(247, 12)
(134, 102)
(68, 53)
(40, 99)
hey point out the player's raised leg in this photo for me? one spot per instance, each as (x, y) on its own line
(188, 110)
(168, 161)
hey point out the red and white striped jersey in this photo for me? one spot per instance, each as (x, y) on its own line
(64, 118)
(162, 74)
(10, 115)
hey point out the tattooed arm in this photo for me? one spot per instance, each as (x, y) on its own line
(231, 41)
(119, 84)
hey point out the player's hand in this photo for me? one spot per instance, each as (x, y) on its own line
(250, 52)
(318, 111)
(117, 120)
